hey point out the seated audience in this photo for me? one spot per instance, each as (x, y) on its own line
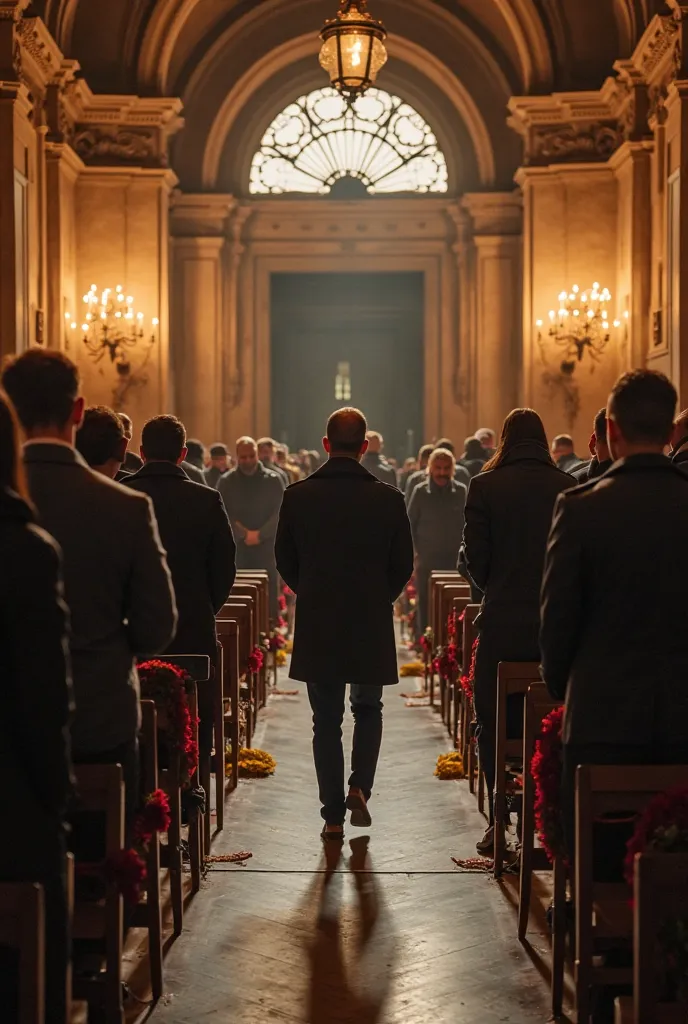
(614, 599)
(196, 535)
(375, 462)
(35, 683)
(253, 495)
(117, 582)
(268, 456)
(284, 460)
(436, 511)
(679, 440)
(219, 464)
(101, 442)
(508, 516)
(132, 462)
(564, 454)
(599, 449)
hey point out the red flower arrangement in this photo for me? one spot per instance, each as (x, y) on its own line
(277, 642)
(411, 592)
(256, 660)
(426, 641)
(166, 685)
(546, 768)
(127, 870)
(281, 622)
(446, 663)
(153, 817)
(282, 603)
(467, 680)
(663, 825)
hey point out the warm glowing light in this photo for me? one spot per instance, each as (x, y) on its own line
(68, 316)
(538, 323)
(155, 321)
(73, 326)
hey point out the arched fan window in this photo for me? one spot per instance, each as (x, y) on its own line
(317, 140)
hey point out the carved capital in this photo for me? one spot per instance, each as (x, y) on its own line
(108, 145)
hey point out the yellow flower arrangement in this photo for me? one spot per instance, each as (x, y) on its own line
(412, 668)
(280, 658)
(449, 766)
(255, 764)
(288, 647)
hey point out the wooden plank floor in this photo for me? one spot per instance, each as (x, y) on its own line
(409, 940)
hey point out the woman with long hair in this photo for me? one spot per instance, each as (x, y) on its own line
(35, 689)
(508, 517)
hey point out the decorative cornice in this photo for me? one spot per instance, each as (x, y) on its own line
(569, 127)
(494, 213)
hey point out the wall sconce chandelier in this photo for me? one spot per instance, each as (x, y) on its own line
(353, 50)
(112, 327)
(581, 325)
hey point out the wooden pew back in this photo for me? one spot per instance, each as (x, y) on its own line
(22, 927)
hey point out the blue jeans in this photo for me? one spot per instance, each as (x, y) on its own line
(327, 703)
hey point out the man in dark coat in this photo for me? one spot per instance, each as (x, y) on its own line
(474, 456)
(117, 583)
(436, 512)
(375, 462)
(101, 442)
(599, 449)
(35, 684)
(344, 547)
(132, 462)
(219, 464)
(252, 495)
(613, 640)
(196, 535)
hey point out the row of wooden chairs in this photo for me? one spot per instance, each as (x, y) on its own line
(604, 920)
(239, 692)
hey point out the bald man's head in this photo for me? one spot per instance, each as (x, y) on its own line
(346, 433)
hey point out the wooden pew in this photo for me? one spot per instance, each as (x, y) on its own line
(538, 705)
(443, 588)
(227, 723)
(660, 894)
(200, 672)
(100, 790)
(452, 696)
(260, 578)
(148, 913)
(604, 919)
(22, 927)
(447, 594)
(467, 739)
(437, 576)
(513, 679)
(243, 610)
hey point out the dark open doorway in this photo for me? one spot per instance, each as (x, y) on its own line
(348, 339)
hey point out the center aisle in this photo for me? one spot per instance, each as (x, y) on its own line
(412, 940)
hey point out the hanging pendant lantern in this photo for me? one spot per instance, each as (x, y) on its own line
(353, 50)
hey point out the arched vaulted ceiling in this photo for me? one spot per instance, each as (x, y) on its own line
(235, 62)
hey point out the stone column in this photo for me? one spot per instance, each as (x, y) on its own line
(205, 349)
(497, 277)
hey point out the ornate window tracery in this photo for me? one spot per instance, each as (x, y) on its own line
(318, 139)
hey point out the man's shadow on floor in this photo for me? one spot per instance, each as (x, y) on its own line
(350, 967)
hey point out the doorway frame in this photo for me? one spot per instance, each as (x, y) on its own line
(265, 266)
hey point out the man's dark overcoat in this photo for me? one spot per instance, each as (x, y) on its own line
(344, 547)
(615, 606)
(196, 535)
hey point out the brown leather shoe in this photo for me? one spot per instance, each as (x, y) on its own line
(357, 804)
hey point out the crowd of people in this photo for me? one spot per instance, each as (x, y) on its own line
(109, 555)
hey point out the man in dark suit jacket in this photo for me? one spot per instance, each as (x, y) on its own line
(196, 535)
(599, 449)
(613, 637)
(117, 583)
(344, 547)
